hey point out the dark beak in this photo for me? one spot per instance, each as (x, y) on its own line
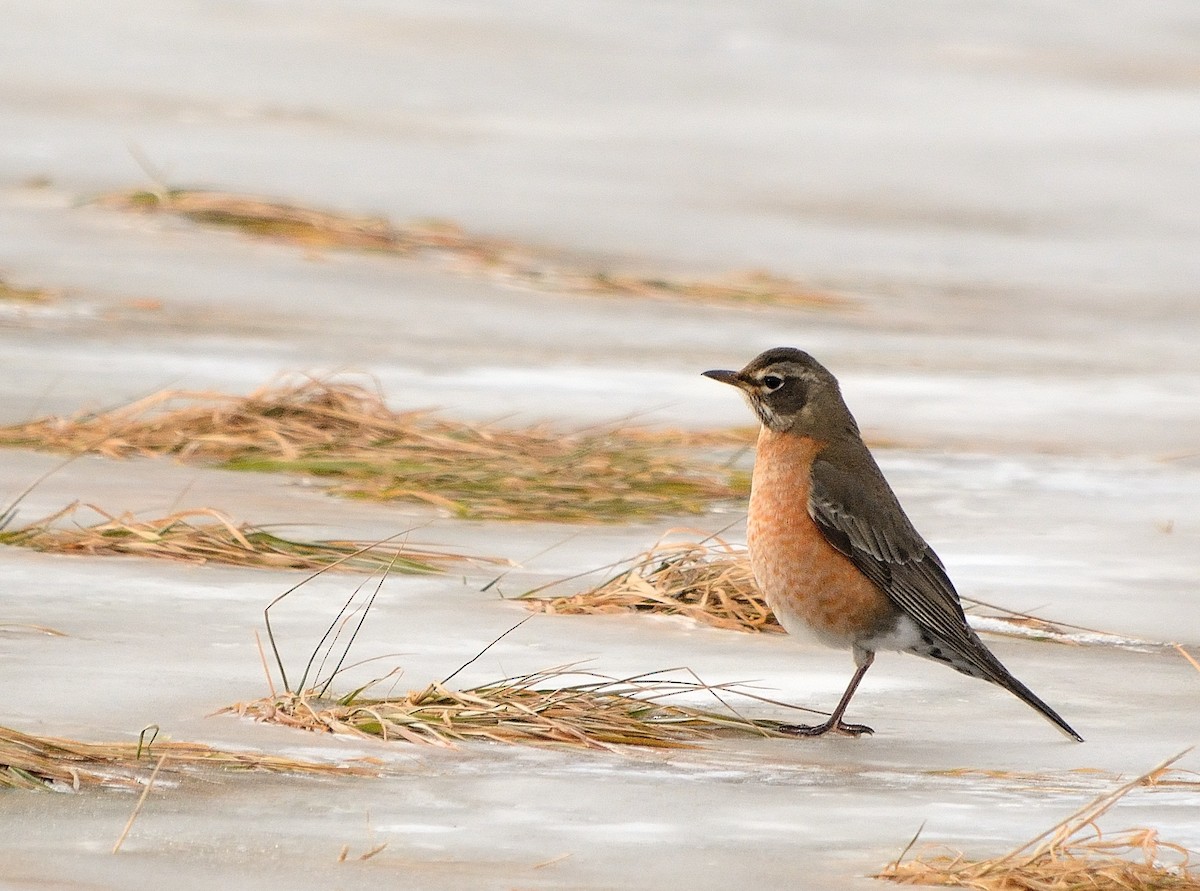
(727, 377)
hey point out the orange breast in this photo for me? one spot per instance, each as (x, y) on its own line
(808, 583)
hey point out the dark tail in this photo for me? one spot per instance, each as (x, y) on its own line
(1023, 693)
(980, 662)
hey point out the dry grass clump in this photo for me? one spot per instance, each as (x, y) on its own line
(345, 434)
(709, 581)
(532, 709)
(470, 254)
(16, 294)
(1074, 855)
(207, 535)
(565, 705)
(41, 762)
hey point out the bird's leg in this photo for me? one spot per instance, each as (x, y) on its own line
(835, 720)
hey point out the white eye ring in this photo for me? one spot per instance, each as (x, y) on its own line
(772, 382)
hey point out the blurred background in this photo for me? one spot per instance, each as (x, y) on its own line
(1006, 190)
(984, 218)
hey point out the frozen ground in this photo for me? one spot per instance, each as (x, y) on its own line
(1005, 195)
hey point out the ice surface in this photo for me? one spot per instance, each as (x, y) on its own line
(1007, 203)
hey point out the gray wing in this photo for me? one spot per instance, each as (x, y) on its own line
(858, 514)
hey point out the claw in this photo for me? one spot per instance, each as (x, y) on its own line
(855, 730)
(835, 722)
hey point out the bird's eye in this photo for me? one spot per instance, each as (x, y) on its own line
(772, 382)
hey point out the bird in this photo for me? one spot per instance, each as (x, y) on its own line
(832, 549)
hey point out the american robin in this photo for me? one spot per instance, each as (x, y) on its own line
(830, 546)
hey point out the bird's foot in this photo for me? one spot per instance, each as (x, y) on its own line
(855, 730)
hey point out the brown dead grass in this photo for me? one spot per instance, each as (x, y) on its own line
(711, 581)
(535, 709)
(565, 706)
(466, 253)
(708, 581)
(1071, 856)
(1071, 781)
(209, 536)
(346, 435)
(1187, 656)
(10, 293)
(43, 762)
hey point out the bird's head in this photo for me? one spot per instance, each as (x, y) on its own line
(789, 390)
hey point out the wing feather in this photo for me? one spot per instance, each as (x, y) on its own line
(858, 513)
